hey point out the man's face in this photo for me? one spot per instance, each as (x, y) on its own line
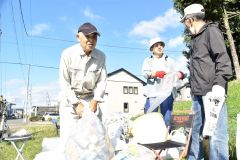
(158, 49)
(189, 23)
(88, 42)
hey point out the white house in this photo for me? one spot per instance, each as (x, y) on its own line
(124, 93)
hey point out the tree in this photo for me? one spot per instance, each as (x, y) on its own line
(218, 11)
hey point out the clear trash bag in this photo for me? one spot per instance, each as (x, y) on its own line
(89, 140)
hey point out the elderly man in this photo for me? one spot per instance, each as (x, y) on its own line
(210, 69)
(82, 79)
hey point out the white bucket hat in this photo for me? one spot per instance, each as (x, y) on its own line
(193, 9)
(155, 40)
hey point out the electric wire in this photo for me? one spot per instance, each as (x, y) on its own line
(32, 65)
(64, 40)
(18, 49)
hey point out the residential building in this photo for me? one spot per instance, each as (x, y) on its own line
(124, 93)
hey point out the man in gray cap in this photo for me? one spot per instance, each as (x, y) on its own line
(82, 79)
(210, 69)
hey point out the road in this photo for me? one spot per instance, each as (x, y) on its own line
(17, 123)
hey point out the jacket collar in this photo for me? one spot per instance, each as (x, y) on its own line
(82, 53)
(204, 27)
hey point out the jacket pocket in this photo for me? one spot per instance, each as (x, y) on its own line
(77, 75)
(91, 78)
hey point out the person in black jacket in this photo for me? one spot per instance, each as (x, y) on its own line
(210, 69)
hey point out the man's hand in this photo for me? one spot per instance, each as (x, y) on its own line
(79, 107)
(160, 74)
(93, 105)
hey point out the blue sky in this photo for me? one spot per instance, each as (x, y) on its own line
(125, 27)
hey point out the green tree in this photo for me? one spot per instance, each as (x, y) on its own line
(227, 14)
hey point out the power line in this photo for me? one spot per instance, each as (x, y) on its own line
(64, 40)
(32, 65)
(18, 49)
(20, 7)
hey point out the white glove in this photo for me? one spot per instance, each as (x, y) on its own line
(218, 92)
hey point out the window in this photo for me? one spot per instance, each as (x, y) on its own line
(130, 90)
(125, 107)
(125, 90)
(135, 90)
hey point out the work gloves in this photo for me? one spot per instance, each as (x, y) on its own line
(160, 74)
(181, 75)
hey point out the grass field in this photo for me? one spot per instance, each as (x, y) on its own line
(33, 146)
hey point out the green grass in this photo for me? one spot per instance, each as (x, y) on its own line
(32, 147)
(233, 107)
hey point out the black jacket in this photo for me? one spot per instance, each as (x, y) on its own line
(209, 61)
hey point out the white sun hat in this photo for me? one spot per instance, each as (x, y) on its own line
(155, 40)
(193, 9)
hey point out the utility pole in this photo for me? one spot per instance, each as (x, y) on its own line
(26, 104)
(48, 100)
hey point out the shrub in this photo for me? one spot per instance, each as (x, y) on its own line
(35, 118)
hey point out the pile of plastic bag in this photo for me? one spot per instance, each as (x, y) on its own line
(117, 125)
(88, 141)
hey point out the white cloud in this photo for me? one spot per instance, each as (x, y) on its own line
(172, 43)
(13, 83)
(151, 28)
(89, 14)
(38, 29)
(38, 95)
(45, 94)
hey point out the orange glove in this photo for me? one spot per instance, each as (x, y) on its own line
(160, 74)
(181, 75)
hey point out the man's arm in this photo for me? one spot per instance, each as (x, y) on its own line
(65, 80)
(221, 57)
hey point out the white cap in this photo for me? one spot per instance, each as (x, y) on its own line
(193, 9)
(155, 40)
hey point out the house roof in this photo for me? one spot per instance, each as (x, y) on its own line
(124, 70)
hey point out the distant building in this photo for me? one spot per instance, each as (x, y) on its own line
(124, 93)
(41, 110)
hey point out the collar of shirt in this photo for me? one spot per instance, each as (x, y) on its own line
(164, 57)
(82, 53)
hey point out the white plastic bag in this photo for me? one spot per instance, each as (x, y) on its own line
(50, 155)
(178, 135)
(163, 90)
(149, 128)
(212, 108)
(117, 125)
(135, 152)
(89, 140)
